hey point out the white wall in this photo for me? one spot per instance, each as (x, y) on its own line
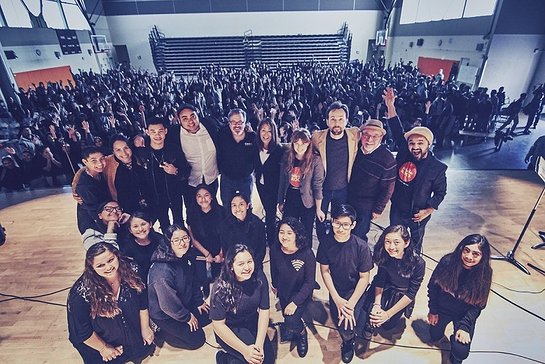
(512, 63)
(452, 47)
(28, 60)
(134, 30)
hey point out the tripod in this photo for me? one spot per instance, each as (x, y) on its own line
(542, 244)
(510, 257)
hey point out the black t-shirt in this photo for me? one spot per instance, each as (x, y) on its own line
(142, 253)
(346, 261)
(336, 176)
(293, 275)
(255, 295)
(205, 226)
(407, 174)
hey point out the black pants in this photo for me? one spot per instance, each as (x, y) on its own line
(417, 229)
(293, 207)
(294, 323)
(458, 351)
(359, 314)
(202, 274)
(247, 336)
(268, 196)
(179, 335)
(160, 211)
(92, 356)
(514, 119)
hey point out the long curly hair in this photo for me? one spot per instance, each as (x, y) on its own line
(306, 164)
(301, 239)
(409, 260)
(228, 289)
(101, 297)
(476, 287)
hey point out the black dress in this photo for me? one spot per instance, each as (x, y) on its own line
(122, 330)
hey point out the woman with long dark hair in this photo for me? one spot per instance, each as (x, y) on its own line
(267, 172)
(204, 219)
(176, 301)
(240, 310)
(293, 274)
(108, 316)
(398, 279)
(458, 290)
(141, 242)
(301, 179)
(241, 226)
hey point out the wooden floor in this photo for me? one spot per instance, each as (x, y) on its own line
(44, 254)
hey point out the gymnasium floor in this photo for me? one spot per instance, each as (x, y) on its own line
(492, 195)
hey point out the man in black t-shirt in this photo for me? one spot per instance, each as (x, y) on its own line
(338, 146)
(345, 261)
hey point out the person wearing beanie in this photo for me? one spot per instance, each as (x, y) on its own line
(421, 183)
(373, 177)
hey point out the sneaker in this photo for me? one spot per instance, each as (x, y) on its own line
(347, 351)
(221, 357)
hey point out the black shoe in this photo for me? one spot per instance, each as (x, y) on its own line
(302, 344)
(347, 351)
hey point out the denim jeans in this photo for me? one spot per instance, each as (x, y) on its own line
(230, 186)
(335, 198)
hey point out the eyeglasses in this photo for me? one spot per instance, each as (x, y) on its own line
(371, 137)
(112, 209)
(236, 123)
(185, 239)
(345, 225)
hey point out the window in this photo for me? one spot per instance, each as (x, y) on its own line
(421, 11)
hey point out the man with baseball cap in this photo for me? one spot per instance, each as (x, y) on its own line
(421, 183)
(373, 177)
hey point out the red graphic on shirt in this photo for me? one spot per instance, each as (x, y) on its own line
(407, 172)
(295, 177)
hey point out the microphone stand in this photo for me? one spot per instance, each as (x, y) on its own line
(510, 257)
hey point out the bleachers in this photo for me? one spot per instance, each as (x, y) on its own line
(186, 55)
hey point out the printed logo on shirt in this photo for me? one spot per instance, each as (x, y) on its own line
(407, 172)
(295, 177)
(297, 264)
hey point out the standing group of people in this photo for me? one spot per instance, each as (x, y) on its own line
(339, 179)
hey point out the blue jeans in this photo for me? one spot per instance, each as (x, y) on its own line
(230, 186)
(363, 223)
(335, 198)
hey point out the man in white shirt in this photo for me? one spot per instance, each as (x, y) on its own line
(197, 138)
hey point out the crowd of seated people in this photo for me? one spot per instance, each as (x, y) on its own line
(56, 121)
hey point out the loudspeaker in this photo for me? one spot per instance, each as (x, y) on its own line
(420, 42)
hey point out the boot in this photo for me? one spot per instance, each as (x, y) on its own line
(302, 343)
(347, 351)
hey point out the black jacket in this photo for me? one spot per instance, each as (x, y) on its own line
(270, 170)
(175, 184)
(430, 186)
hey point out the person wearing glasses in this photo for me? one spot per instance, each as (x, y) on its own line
(345, 261)
(105, 227)
(176, 301)
(373, 177)
(141, 241)
(236, 150)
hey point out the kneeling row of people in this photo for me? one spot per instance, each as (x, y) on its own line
(109, 306)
